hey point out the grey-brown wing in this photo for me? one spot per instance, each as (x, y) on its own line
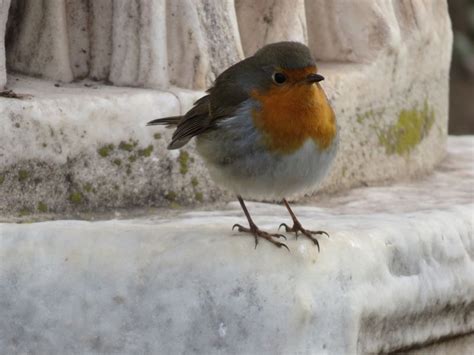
(222, 101)
(203, 117)
(195, 121)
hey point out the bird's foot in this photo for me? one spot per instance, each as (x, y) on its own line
(257, 233)
(298, 228)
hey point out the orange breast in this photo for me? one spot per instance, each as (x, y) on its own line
(294, 112)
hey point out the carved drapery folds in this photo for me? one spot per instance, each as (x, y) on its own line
(4, 5)
(186, 43)
(145, 43)
(270, 21)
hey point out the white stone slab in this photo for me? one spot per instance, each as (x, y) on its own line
(397, 272)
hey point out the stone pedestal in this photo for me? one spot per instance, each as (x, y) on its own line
(386, 66)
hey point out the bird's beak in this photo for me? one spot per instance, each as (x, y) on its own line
(314, 78)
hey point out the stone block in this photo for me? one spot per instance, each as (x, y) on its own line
(87, 148)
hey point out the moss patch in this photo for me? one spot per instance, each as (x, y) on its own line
(171, 196)
(88, 187)
(128, 146)
(2, 179)
(25, 211)
(105, 150)
(157, 135)
(174, 205)
(23, 175)
(370, 115)
(75, 198)
(117, 162)
(199, 197)
(409, 130)
(183, 160)
(194, 181)
(42, 207)
(145, 152)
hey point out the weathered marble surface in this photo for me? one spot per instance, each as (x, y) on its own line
(85, 148)
(396, 272)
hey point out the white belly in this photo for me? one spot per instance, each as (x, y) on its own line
(269, 176)
(238, 160)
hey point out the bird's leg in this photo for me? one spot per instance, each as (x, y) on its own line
(255, 231)
(297, 227)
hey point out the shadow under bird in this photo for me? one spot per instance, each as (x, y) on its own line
(265, 130)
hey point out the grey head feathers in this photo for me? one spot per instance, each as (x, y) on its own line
(287, 55)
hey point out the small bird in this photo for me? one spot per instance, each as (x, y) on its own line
(265, 130)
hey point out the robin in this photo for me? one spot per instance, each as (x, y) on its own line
(265, 130)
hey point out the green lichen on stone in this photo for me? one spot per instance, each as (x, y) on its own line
(183, 160)
(132, 158)
(370, 116)
(145, 152)
(128, 146)
(23, 175)
(409, 130)
(199, 197)
(171, 196)
(362, 117)
(2, 179)
(25, 211)
(105, 150)
(174, 205)
(75, 198)
(194, 181)
(157, 135)
(344, 171)
(117, 162)
(42, 207)
(87, 187)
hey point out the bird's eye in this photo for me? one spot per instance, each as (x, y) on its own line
(279, 78)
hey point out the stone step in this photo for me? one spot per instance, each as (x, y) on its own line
(396, 273)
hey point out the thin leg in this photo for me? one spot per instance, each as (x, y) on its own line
(255, 231)
(297, 227)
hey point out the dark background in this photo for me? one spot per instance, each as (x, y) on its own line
(461, 107)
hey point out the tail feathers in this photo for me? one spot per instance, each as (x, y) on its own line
(169, 121)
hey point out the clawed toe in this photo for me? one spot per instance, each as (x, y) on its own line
(287, 228)
(320, 232)
(240, 227)
(257, 233)
(298, 228)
